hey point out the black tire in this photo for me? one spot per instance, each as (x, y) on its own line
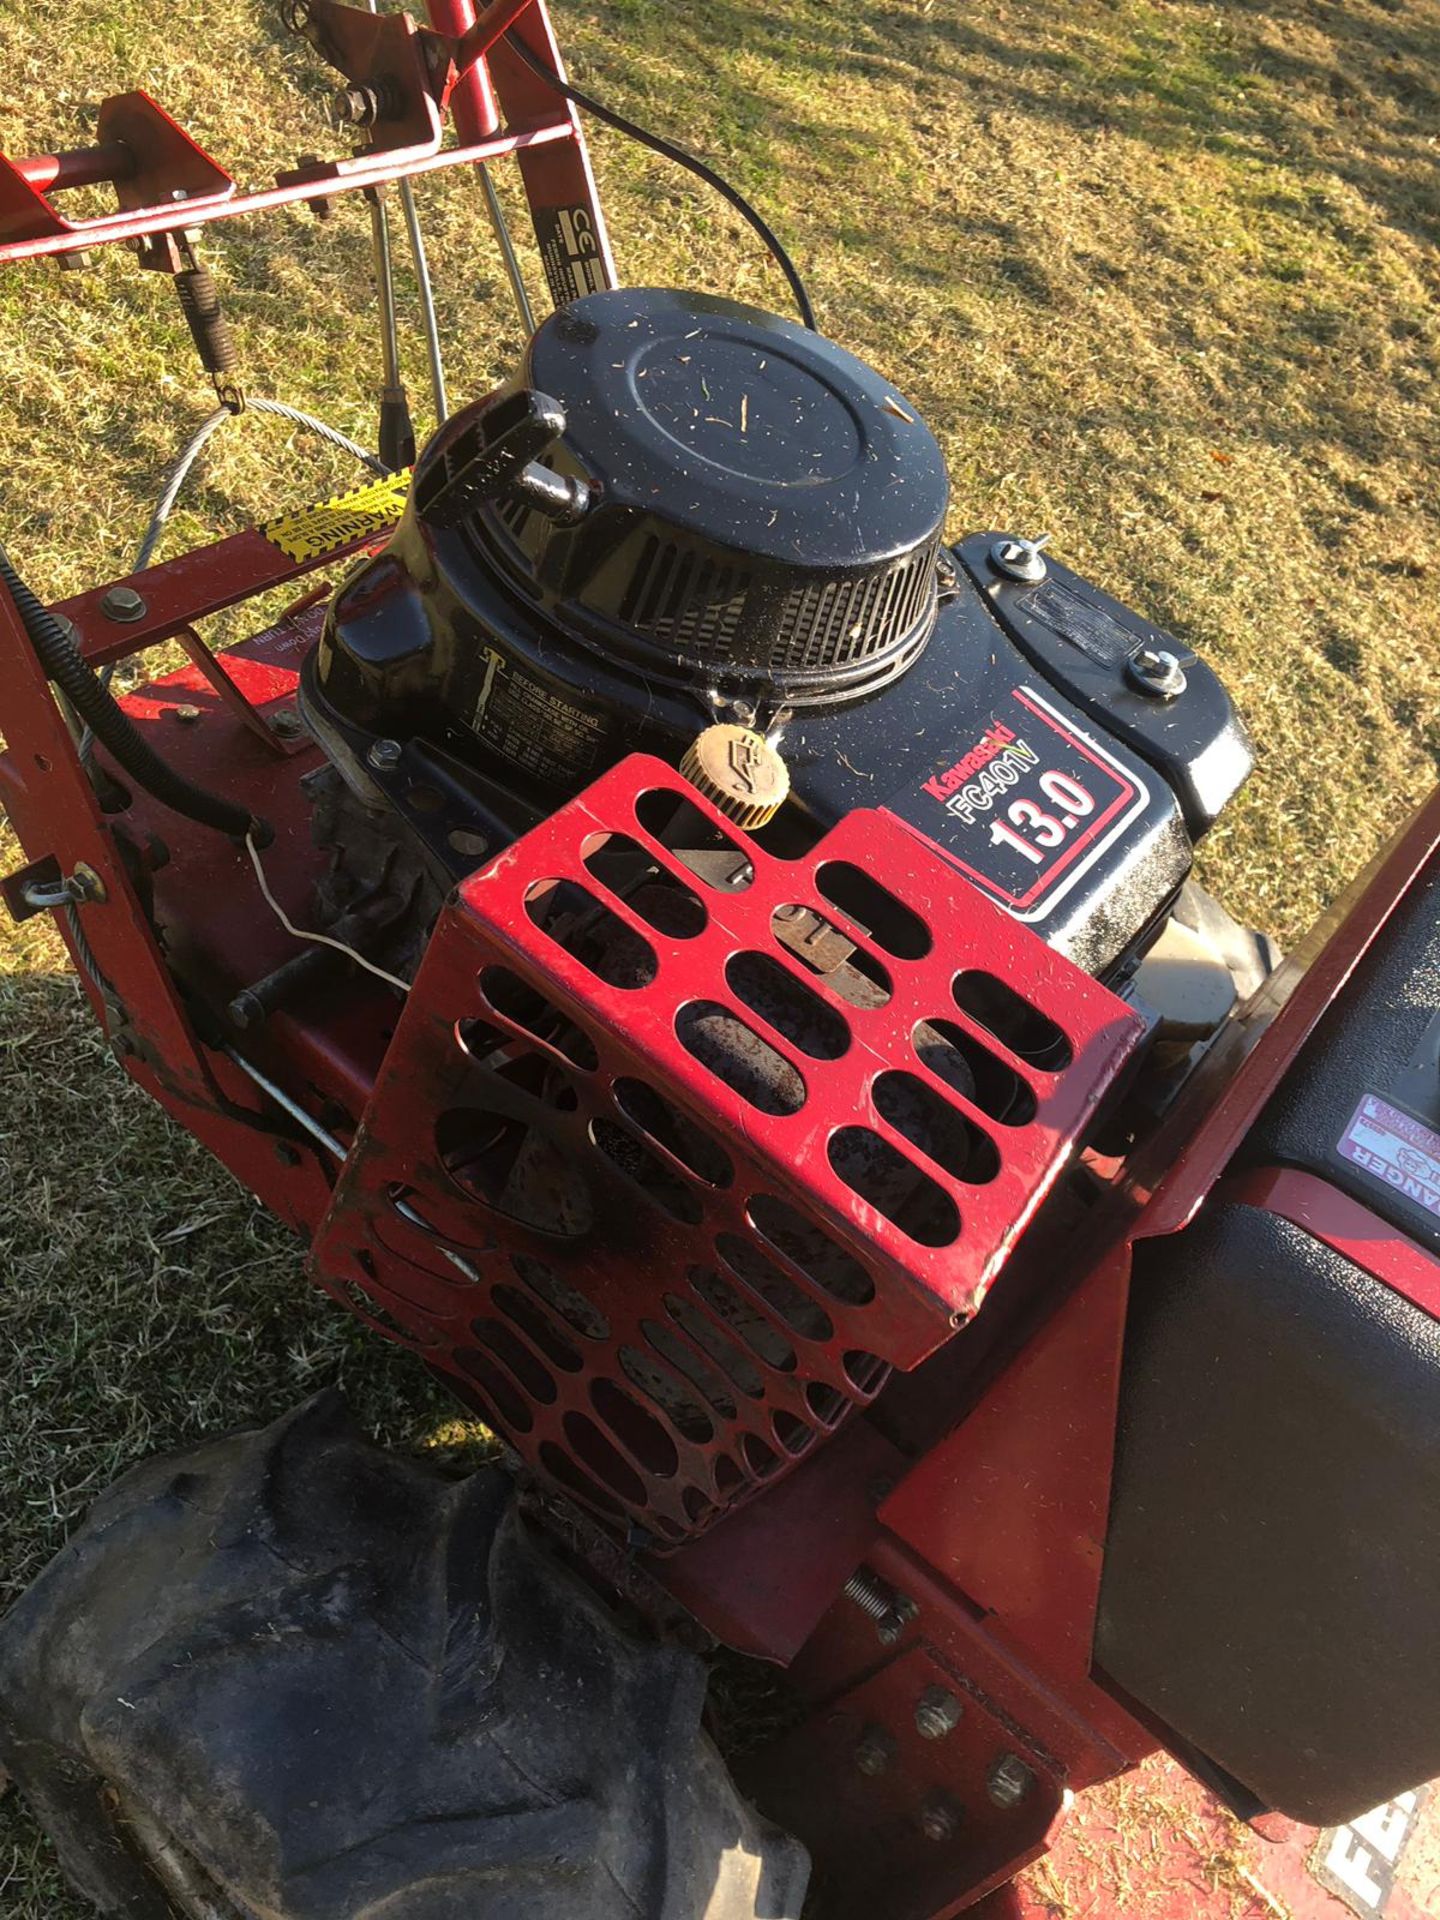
(287, 1674)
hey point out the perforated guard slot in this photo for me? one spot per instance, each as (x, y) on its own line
(700, 1159)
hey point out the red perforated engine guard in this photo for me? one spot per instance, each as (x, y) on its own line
(660, 1284)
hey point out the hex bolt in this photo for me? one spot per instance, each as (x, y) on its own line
(940, 1817)
(1009, 1782)
(186, 714)
(123, 604)
(874, 1751)
(1020, 559)
(384, 755)
(287, 723)
(1156, 672)
(937, 1713)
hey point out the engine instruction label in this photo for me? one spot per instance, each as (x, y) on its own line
(1086, 626)
(1027, 807)
(1395, 1148)
(535, 728)
(570, 251)
(340, 521)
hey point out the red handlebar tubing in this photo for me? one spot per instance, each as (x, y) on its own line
(460, 66)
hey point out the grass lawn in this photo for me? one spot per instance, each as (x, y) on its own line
(1161, 274)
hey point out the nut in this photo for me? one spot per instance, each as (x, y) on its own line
(874, 1751)
(937, 1713)
(1010, 1781)
(286, 723)
(354, 107)
(940, 1817)
(384, 756)
(87, 883)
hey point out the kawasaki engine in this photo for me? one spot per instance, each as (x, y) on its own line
(693, 529)
(769, 873)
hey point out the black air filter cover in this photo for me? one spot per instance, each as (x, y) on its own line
(765, 505)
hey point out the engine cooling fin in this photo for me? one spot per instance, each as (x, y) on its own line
(679, 1147)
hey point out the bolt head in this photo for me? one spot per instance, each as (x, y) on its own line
(874, 1751)
(287, 723)
(186, 714)
(1157, 672)
(123, 604)
(1010, 1781)
(1019, 559)
(937, 1713)
(939, 1817)
(384, 755)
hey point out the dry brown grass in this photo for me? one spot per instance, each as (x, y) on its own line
(1161, 273)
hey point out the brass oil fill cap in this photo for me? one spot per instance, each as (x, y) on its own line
(739, 772)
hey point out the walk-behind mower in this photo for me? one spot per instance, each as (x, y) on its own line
(711, 968)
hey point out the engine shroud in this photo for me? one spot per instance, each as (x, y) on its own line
(670, 1161)
(741, 521)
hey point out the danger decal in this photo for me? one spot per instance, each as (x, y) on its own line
(1396, 1149)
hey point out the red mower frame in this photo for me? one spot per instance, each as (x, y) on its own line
(934, 1601)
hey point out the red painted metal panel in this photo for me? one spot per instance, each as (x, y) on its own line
(908, 1825)
(1013, 1506)
(564, 202)
(53, 809)
(1156, 1843)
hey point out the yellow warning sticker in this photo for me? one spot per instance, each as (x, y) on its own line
(331, 524)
